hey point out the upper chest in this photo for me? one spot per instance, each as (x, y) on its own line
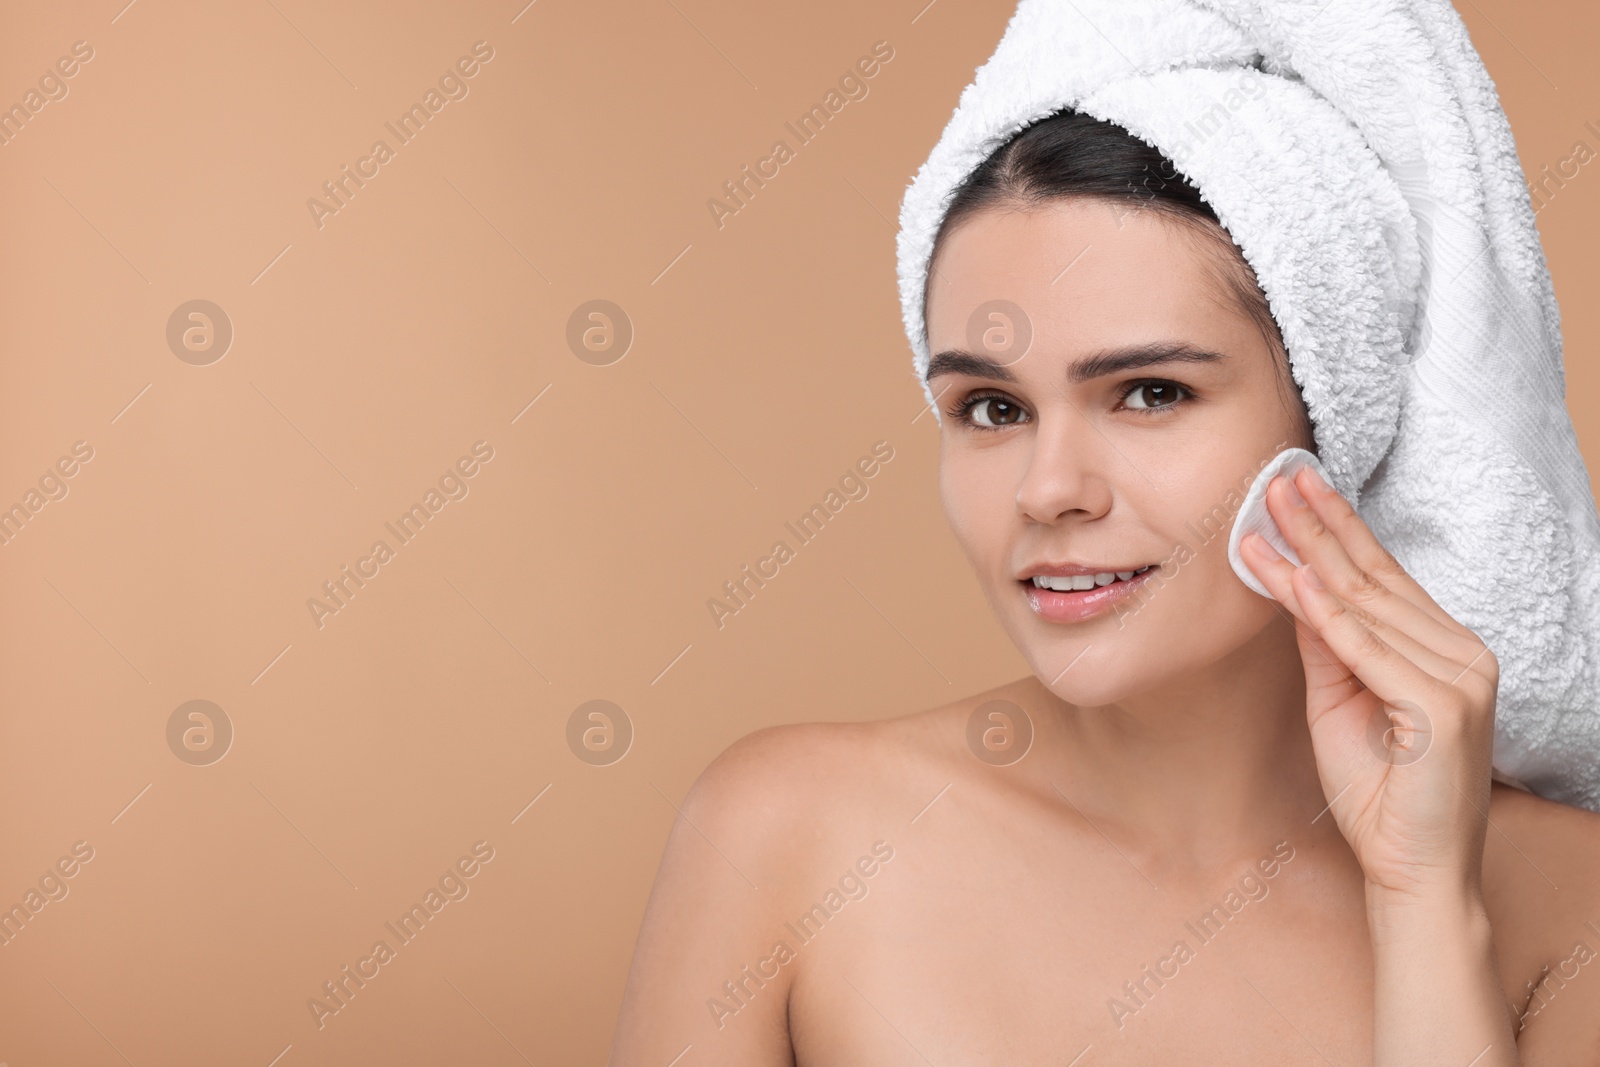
(1016, 948)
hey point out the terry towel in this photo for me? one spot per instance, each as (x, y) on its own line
(1357, 152)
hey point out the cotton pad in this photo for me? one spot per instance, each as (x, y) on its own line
(1253, 516)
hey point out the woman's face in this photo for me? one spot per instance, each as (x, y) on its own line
(1095, 444)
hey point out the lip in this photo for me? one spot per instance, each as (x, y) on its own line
(1079, 604)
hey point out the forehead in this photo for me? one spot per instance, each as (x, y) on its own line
(1086, 273)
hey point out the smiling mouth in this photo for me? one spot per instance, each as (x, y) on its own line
(1083, 582)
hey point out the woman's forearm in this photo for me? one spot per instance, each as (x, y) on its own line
(1437, 993)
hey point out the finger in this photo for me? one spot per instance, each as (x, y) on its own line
(1273, 570)
(1322, 667)
(1365, 551)
(1320, 540)
(1442, 666)
(1378, 664)
(1329, 683)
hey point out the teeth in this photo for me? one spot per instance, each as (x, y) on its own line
(1078, 582)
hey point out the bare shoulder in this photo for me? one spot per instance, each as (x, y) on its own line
(1541, 881)
(1541, 842)
(780, 815)
(824, 778)
(771, 821)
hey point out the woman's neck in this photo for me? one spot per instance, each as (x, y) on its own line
(1196, 774)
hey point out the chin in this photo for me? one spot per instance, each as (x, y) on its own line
(1117, 656)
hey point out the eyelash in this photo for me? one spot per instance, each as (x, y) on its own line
(962, 411)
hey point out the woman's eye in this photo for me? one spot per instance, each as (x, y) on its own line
(1156, 395)
(993, 412)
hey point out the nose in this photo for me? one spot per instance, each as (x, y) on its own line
(1066, 470)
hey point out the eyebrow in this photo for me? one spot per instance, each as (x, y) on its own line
(1102, 363)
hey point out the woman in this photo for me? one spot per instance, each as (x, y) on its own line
(1176, 840)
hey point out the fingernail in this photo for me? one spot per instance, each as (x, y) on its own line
(1293, 493)
(1262, 546)
(1312, 580)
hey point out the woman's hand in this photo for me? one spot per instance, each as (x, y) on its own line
(1400, 697)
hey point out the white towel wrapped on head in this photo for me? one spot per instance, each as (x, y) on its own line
(1357, 152)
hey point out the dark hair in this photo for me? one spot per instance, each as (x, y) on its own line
(1072, 154)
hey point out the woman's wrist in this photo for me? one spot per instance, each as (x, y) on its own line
(1436, 984)
(1422, 914)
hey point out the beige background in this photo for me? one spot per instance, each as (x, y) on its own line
(372, 352)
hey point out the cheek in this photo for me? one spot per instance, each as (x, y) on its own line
(1201, 611)
(978, 507)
